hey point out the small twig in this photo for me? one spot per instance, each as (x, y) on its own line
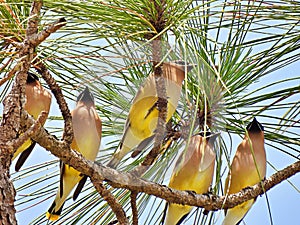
(135, 213)
(17, 45)
(4, 66)
(63, 106)
(112, 201)
(47, 31)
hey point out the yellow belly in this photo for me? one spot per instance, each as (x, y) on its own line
(144, 116)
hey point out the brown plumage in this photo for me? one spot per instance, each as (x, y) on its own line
(87, 129)
(248, 168)
(193, 171)
(38, 99)
(143, 114)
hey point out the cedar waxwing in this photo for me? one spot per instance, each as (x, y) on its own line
(193, 171)
(143, 114)
(87, 129)
(38, 99)
(248, 168)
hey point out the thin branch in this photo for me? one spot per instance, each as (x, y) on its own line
(162, 104)
(47, 31)
(111, 200)
(135, 213)
(10, 74)
(158, 24)
(207, 201)
(128, 181)
(33, 21)
(63, 106)
(16, 143)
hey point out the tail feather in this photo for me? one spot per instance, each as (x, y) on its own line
(182, 219)
(176, 214)
(235, 215)
(79, 187)
(52, 214)
(116, 158)
(165, 213)
(24, 155)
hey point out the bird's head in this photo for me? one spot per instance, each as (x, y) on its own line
(86, 96)
(31, 78)
(255, 126)
(184, 65)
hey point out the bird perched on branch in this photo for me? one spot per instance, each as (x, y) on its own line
(143, 114)
(248, 168)
(193, 171)
(38, 99)
(87, 129)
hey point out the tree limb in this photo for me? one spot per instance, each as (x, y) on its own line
(47, 31)
(28, 133)
(111, 200)
(13, 107)
(63, 106)
(10, 124)
(128, 181)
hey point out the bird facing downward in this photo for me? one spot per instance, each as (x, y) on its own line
(87, 129)
(143, 114)
(248, 168)
(38, 99)
(193, 171)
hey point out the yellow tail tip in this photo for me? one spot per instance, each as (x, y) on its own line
(52, 217)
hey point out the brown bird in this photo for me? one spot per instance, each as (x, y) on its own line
(38, 99)
(193, 171)
(87, 129)
(248, 168)
(143, 114)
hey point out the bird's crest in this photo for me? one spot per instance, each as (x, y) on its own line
(86, 96)
(184, 65)
(255, 126)
(31, 78)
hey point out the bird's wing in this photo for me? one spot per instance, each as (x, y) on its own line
(24, 155)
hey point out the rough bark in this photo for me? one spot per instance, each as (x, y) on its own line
(11, 124)
(159, 24)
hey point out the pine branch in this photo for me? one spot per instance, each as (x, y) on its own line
(16, 143)
(63, 106)
(33, 21)
(49, 30)
(111, 200)
(130, 182)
